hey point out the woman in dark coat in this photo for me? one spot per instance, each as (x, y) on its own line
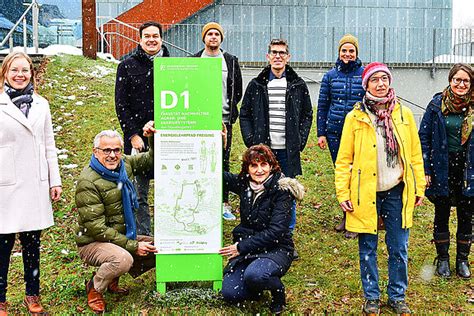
(448, 153)
(341, 88)
(263, 247)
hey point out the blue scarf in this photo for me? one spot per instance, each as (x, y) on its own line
(129, 195)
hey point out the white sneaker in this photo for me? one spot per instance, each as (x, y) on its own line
(227, 213)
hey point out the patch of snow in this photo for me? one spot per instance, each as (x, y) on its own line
(108, 57)
(70, 166)
(52, 50)
(101, 71)
(79, 103)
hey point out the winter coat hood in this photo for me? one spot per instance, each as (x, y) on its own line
(293, 186)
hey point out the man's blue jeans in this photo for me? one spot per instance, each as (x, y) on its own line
(282, 157)
(389, 206)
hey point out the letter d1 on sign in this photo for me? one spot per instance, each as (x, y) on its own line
(174, 99)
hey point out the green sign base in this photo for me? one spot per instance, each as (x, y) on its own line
(188, 267)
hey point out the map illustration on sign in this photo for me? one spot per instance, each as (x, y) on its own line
(190, 207)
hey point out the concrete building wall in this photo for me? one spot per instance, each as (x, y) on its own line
(393, 31)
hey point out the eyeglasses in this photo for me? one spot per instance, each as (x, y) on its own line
(458, 81)
(377, 79)
(15, 71)
(282, 53)
(108, 151)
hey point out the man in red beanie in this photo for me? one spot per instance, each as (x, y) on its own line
(212, 36)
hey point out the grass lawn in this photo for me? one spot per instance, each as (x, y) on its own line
(324, 280)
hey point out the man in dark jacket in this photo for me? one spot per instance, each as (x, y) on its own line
(276, 111)
(134, 106)
(212, 36)
(106, 234)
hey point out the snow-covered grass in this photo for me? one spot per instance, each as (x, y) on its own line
(324, 280)
(57, 49)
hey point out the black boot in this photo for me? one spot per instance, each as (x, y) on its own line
(441, 241)
(278, 301)
(462, 256)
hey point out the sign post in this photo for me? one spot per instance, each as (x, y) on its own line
(188, 170)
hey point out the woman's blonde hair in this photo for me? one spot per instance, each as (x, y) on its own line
(6, 67)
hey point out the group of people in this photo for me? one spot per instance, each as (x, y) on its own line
(384, 166)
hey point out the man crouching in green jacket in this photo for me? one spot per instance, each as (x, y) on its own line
(105, 199)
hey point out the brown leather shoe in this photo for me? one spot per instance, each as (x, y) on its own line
(3, 309)
(33, 304)
(115, 288)
(95, 300)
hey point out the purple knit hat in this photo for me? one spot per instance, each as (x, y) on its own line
(372, 68)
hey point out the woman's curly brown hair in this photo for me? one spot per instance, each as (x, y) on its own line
(261, 153)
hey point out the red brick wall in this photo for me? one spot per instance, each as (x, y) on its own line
(163, 11)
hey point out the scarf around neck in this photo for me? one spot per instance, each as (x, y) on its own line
(454, 104)
(129, 195)
(382, 108)
(257, 188)
(21, 98)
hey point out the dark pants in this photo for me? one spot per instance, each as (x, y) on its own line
(333, 143)
(142, 213)
(226, 158)
(282, 157)
(250, 278)
(464, 204)
(30, 246)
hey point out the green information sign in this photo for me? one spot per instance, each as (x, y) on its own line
(188, 93)
(188, 170)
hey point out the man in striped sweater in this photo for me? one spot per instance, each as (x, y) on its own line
(277, 111)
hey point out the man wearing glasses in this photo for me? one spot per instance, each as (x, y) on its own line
(276, 111)
(106, 235)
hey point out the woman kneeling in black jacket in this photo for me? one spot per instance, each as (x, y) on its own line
(263, 248)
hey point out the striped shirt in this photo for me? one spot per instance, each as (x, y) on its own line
(277, 113)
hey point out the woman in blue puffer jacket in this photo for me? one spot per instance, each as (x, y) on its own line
(341, 88)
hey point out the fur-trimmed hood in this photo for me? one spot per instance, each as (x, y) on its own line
(293, 186)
